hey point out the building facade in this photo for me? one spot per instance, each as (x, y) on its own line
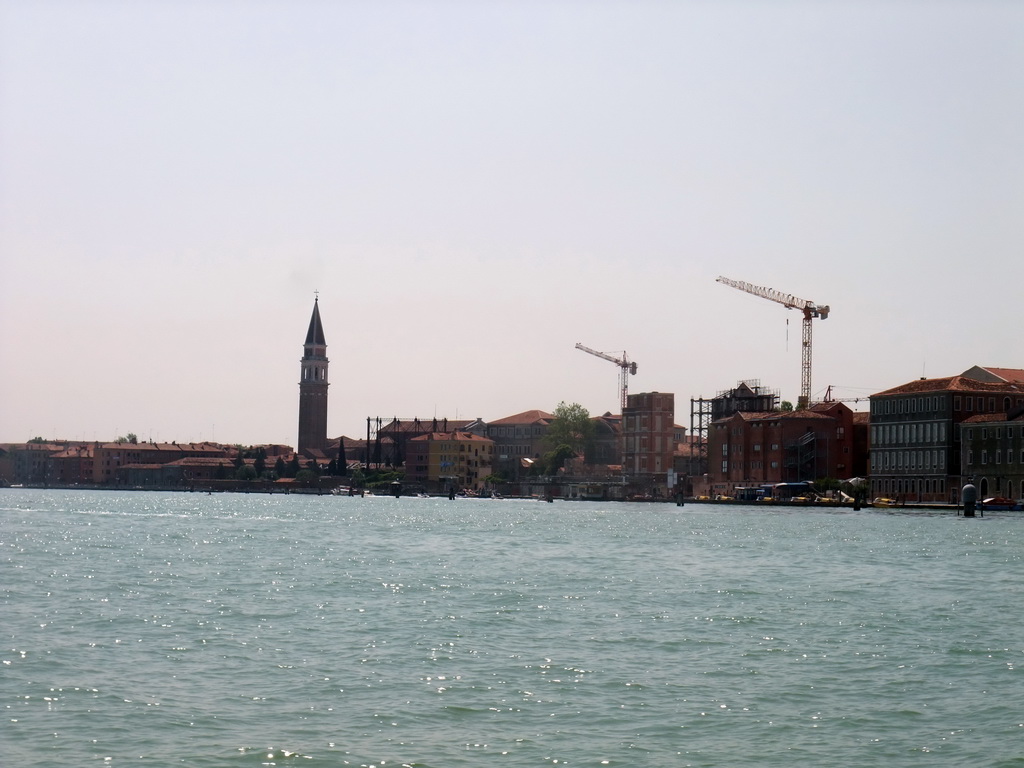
(993, 454)
(313, 388)
(648, 432)
(448, 461)
(755, 449)
(916, 451)
(518, 441)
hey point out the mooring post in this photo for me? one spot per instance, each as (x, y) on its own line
(969, 496)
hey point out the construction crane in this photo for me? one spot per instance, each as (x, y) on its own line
(810, 311)
(625, 369)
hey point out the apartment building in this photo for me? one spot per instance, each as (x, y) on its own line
(993, 453)
(648, 432)
(916, 447)
(442, 461)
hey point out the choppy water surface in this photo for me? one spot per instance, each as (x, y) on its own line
(284, 630)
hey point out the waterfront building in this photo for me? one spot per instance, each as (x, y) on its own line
(313, 388)
(519, 440)
(993, 453)
(754, 449)
(915, 430)
(72, 466)
(109, 459)
(388, 444)
(748, 396)
(445, 461)
(648, 432)
(29, 463)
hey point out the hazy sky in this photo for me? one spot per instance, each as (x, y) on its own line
(474, 187)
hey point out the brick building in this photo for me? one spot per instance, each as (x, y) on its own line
(751, 449)
(648, 436)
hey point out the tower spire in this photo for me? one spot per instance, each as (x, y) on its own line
(313, 385)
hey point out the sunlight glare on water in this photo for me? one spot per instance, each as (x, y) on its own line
(283, 630)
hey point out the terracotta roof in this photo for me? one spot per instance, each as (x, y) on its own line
(1015, 375)
(950, 384)
(526, 417)
(755, 415)
(75, 452)
(982, 418)
(861, 417)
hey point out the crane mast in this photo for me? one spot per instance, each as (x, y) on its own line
(625, 369)
(810, 311)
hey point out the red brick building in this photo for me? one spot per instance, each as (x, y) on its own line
(752, 449)
(648, 436)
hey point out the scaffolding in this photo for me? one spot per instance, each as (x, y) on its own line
(747, 396)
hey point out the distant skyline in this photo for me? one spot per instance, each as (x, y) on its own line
(473, 188)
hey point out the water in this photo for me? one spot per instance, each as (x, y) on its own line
(186, 629)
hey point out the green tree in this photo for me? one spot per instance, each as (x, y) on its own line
(571, 427)
(260, 464)
(786, 406)
(279, 467)
(131, 437)
(552, 461)
(306, 477)
(246, 472)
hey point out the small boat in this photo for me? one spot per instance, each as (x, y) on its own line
(998, 503)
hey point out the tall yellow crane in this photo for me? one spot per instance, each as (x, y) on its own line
(810, 311)
(625, 369)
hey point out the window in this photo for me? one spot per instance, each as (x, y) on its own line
(956, 403)
(999, 456)
(984, 457)
(970, 403)
(725, 466)
(991, 403)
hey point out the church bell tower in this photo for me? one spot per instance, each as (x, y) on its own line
(313, 386)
